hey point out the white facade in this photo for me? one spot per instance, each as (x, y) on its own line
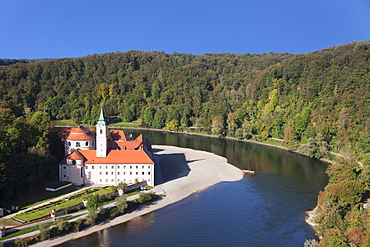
(72, 145)
(113, 174)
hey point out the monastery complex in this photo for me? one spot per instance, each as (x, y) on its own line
(93, 159)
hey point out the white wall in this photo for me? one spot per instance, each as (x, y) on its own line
(116, 173)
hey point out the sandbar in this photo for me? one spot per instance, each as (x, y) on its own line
(184, 171)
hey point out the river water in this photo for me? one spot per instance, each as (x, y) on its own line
(264, 209)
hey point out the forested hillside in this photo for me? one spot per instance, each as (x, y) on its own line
(316, 102)
(323, 95)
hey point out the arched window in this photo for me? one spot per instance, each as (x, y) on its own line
(87, 144)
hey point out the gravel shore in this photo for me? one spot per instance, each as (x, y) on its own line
(183, 171)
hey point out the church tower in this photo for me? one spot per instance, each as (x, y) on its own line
(101, 137)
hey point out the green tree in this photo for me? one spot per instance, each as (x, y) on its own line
(121, 203)
(218, 125)
(231, 124)
(148, 115)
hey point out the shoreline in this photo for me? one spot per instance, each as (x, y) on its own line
(192, 172)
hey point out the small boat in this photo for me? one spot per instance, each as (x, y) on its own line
(248, 171)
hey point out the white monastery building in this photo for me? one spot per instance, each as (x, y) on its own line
(92, 159)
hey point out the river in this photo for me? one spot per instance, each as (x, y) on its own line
(264, 209)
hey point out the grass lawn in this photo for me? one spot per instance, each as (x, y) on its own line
(136, 123)
(58, 205)
(40, 198)
(65, 123)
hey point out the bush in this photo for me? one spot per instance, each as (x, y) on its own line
(44, 231)
(79, 225)
(146, 197)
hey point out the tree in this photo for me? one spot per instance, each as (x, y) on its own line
(92, 202)
(148, 115)
(159, 119)
(146, 197)
(290, 136)
(300, 121)
(44, 231)
(172, 125)
(121, 203)
(231, 124)
(218, 125)
(312, 148)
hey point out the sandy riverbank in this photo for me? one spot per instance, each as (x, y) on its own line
(184, 172)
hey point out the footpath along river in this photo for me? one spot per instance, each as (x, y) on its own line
(264, 209)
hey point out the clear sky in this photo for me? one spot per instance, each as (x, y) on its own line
(74, 28)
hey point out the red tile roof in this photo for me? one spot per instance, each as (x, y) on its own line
(76, 155)
(120, 135)
(80, 134)
(118, 157)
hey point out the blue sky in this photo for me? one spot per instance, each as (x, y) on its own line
(66, 28)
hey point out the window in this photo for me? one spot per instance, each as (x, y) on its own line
(149, 167)
(89, 175)
(99, 167)
(142, 173)
(101, 131)
(82, 173)
(106, 167)
(86, 167)
(92, 167)
(106, 180)
(130, 173)
(118, 167)
(78, 144)
(117, 173)
(106, 173)
(130, 167)
(100, 180)
(64, 175)
(136, 173)
(64, 167)
(112, 173)
(124, 180)
(137, 167)
(112, 180)
(148, 173)
(124, 167)
(73, 162)
(99, 173)
(119, 180)
(112, 167)
(87, 144)
(69, 144)
(143, 167)
(124, 173)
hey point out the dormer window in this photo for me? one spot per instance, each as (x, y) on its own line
(87, 144)
(78, 144)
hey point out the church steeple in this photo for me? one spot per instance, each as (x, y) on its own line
(101, 136)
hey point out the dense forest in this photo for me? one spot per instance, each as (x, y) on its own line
(316, 102)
